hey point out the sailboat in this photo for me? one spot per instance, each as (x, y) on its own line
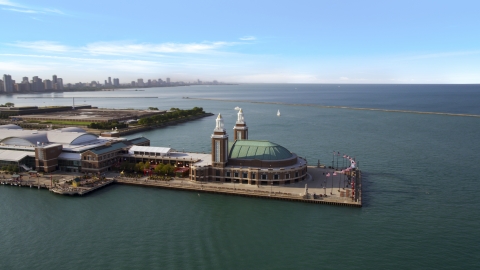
(278, 113)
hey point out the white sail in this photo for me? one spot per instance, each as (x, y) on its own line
(278, 113)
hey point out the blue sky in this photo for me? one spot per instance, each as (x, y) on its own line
(243, 41)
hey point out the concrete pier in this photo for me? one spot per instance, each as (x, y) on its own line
(317, 188)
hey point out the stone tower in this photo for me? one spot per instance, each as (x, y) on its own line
(219, 144)
(240, 130)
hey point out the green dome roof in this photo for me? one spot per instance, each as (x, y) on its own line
(261, 150)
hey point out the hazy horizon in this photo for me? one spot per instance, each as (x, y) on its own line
(368, 42)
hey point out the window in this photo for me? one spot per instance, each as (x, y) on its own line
(264, 176)
(287, 176)
(235, 174)
(253, 175)
(275, 176)
(228, 174)
(244, 175)
(296, 174)
(217, 172)
(217, 151)
(239, 135)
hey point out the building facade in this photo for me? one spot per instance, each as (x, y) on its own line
(247, 161)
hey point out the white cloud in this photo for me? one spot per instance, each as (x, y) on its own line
(17, 67)
(344, 79)
(248, 38)
(121, 48)
(126, 48)
(22, 10)
(8, 3)
(53, 10)
(443, 54)
(42, 45)
(31, 10)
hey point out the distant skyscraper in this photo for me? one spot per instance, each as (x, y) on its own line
(7, 83)
(133, 83)
(37, 84)
(105, 82)
(116, 82)
(59, 84)
(168, 80)
(109, 80)
(25, 79)
(54, 79)
(48, 84)
(140, 83)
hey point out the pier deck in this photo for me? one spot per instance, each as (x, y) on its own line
(317, 183)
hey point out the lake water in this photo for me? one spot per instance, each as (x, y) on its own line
(421, 207)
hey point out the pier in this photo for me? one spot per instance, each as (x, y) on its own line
(319, 189)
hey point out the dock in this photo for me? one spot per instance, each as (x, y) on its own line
(80, 190)
(316, 189)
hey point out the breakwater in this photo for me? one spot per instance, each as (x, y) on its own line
(133, 130)
(338, 107)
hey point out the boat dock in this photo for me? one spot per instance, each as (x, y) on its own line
(80, 190)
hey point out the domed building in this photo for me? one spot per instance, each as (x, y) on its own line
(247, 161)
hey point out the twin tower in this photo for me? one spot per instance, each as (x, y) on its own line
(220, 139)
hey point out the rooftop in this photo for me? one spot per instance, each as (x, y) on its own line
(260, 150)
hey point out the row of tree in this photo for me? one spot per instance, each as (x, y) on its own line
(11, 168)
(173, 114)
(8, 104)
(140, 167)
(107, 125)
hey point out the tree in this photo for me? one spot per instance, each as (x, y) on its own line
(153, 108)
(158, 169)
(168, 169)
(9, 104)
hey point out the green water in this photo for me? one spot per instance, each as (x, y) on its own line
(420, 202)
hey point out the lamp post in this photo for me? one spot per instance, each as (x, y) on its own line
(233, 183)
(271, 186)
(333, 159)
(328, 175)
(331, 190)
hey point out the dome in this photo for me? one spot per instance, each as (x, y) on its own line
(10, 126)
(73, 129)
(260, 150)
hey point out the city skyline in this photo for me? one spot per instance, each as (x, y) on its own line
(248, 42)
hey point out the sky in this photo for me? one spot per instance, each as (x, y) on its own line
(244, 41)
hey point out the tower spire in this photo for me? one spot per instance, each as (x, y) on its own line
(219, 144)
(240, 130)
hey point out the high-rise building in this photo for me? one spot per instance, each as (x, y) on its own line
(25, 79)
(105, 82)
(140, 83)
(109, 80)
(133, 83)
(59, 84)
(48, 84)
(7, 83)
(37, 84)
(116, 82)
(168, 80)
(54, 80)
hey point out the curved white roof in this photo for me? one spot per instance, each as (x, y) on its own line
(32, 137)
(73, 129)
(70, 137)
(10, 126)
